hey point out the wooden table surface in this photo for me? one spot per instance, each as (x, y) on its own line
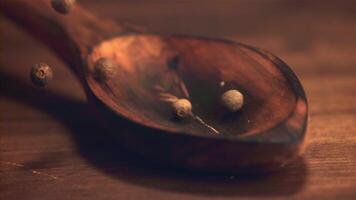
(51, 147)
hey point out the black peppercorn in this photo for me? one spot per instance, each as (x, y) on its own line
(103, 69)
(62, 6)
(41, 74)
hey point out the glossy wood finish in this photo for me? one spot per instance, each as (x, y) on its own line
(51, 131)
(247, 139)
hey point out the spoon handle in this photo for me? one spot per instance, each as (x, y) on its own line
(71, 36)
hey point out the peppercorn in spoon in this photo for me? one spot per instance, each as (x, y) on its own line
(125, 72)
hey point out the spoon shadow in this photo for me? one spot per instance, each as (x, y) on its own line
(101, 151)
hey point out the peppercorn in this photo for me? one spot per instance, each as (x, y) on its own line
(104, 68)
(41, 74)
(182, 108)
(62, 6)
(232, 100)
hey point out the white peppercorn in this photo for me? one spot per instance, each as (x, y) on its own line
(232, 100)
(182, 108)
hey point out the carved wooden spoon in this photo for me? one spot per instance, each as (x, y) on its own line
(267, 132)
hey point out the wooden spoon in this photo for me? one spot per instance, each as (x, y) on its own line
(267, 132)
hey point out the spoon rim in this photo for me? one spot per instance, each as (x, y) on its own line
(286, 71)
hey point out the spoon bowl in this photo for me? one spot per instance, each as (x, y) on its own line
(267, 132)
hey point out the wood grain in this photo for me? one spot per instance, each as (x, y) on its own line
(315, 39)
(138, 63)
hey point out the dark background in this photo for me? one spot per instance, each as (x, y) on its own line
(52, 148)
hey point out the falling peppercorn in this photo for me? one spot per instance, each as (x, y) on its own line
(41, 74)
(62, 6)
(232, 100)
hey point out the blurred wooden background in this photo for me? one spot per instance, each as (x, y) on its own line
(52, 148)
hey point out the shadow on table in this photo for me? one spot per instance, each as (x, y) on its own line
(102, 152)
